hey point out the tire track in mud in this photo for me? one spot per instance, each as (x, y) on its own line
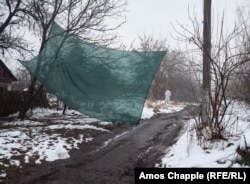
(111, 158)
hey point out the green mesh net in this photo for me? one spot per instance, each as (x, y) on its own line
(107, 84)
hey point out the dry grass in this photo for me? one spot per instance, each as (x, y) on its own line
(155, 105)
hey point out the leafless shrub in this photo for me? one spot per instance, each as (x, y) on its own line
(226, 58)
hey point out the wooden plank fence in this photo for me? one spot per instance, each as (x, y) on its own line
(12, 101)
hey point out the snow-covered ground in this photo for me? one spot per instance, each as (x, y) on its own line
(49, 136)
(188, 152)
(46, 136)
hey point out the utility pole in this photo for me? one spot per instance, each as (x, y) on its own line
(206, 60)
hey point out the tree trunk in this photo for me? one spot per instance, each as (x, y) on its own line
(28, 100)
(64, 109)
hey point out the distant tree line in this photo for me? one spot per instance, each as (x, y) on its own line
(173, 73)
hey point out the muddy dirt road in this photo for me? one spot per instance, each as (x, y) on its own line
(110, 159)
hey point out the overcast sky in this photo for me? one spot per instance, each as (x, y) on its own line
(158, 17)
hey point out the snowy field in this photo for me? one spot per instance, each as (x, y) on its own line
(48, 135)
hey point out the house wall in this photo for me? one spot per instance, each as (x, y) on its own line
(1, 73)
(5, 75)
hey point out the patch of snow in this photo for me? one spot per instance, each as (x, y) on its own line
(104, 123)
(187, 152)
(245, 140)
(147, 113)
(69, 126)
(151, 108)
(15, 162)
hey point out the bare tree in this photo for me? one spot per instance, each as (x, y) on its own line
(149, 43)
(240, 86)
(86, 19)
(172, 74)
(226, 57)
(11, 18)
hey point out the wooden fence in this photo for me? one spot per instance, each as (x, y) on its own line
(12, 101)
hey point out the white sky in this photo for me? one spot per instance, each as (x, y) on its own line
(157, 17)
(160, 17)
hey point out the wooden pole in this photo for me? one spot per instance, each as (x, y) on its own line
(206, 59)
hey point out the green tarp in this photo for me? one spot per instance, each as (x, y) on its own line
(107, 84)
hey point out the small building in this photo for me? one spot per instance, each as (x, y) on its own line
(8, 102)
(6, 77)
